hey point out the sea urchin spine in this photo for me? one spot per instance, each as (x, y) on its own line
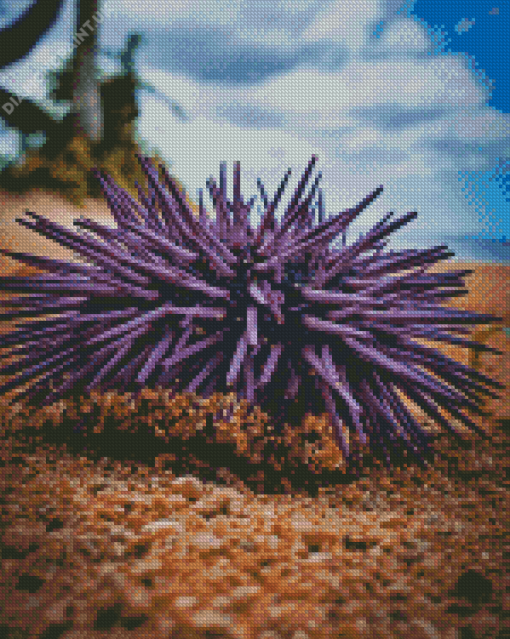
(273, 313)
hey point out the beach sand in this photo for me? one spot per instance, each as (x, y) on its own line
(21, 239)
(488, 288)
(101, 546)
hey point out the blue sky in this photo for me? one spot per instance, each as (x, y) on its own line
(411, 95)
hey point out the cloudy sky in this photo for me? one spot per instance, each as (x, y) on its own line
(380, 90)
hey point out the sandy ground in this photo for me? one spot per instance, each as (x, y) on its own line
(489, 287)
(52, 206)
(95, 545)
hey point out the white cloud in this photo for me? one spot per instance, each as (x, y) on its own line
(277, 38)
(404, 36)
(413, 83)
(304, 91)
(408, 122)
(346, 22)
(196, 149)
(485, 125)
(155, 12)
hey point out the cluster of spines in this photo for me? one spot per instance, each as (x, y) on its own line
(161, 263)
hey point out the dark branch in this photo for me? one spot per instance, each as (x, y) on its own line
(26, 115)
(18, 39)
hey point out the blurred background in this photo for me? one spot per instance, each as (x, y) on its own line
(411, 95)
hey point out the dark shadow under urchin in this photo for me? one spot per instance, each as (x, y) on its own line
(272, 313)
(280, 465)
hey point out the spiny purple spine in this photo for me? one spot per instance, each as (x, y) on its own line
(273, 312)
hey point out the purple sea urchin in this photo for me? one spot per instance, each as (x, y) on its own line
(273, 313)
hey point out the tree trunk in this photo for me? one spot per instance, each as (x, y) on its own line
(86, 95)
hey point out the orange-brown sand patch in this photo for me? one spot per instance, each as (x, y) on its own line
(95, 543)
(54, 207)
(488, 287)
